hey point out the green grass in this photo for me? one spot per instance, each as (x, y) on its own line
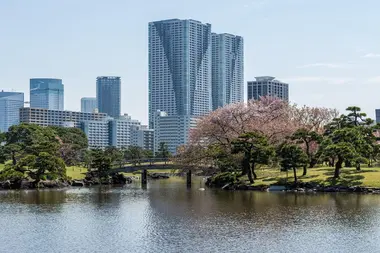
(76, 172)
(367, 177)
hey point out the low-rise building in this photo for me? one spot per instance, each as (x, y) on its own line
(143, 137)
(120, 131)
(97, 133)
(45, 117)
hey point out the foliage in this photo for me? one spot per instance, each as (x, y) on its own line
(41, 166)
(350, 138)
(223, 179)
(255, 149)
(292, 157)
(309, 141)
(163, 151)
(102, 162)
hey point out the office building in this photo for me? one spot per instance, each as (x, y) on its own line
(108, 89)
(120, 132)
(10, 104)
(172, 130)
(45, 117)
(179, 68)
(97, 132)
(227, 69)
(377, 111)
(143, 137)
(46, 93)
(88, 104)
(268, 86)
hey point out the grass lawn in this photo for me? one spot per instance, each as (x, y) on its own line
(76, 172)
(367, 177)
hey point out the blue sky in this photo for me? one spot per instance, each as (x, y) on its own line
(328, 50)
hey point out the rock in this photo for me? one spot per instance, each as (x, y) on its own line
(6, 185)
(121, 179)
(77, 183)
(27, 184)
(158, 176)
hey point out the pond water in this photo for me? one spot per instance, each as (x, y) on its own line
(168, 217)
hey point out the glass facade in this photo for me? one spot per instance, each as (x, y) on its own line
(108, 89)
(88, 104)
(10, 104)
(268, 86)
(46, 93)
(179, 68)
(227, 69)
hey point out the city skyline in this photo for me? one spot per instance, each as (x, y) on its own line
(314, 61)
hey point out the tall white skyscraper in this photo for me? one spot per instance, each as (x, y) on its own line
(227, 69)
(179, 68)
(88, 104)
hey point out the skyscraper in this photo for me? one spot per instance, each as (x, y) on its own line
(227, 69)
(10, 104)
(46, 93)
(88, 104)
(268, 86)
(179, 68)
(108, 95)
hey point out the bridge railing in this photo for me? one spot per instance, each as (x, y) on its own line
(148, 160)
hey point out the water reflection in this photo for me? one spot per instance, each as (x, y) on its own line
(168, 217)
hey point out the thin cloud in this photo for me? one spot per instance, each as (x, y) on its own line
(323, 65)
(319, 79)
(371, 55)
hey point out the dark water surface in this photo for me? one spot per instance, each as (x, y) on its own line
(167, 217)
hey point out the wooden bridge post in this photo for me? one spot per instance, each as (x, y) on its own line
(188, 178)
(144, 177)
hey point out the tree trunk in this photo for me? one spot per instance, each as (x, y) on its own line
(247, 170)
(304, 170)
(253, 171)
(14, 158)
(295, 175)
(338, 166)
(250, 176)
(358, 166)
(312, 163)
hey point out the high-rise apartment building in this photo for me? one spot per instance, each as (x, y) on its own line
(179, 68)
(268, 86)
(10, 104)
(88, 104)
(47, 93)
(108, 89)
(227, 69)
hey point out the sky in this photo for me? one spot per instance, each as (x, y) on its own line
(327, 50)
